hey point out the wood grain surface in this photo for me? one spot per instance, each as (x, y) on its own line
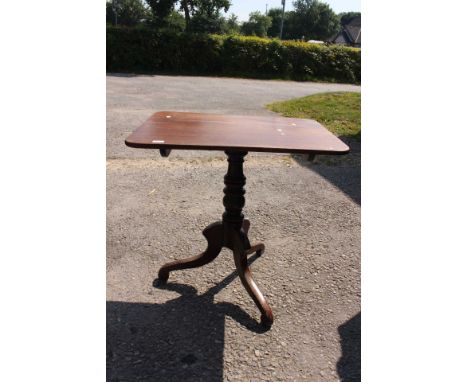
(197, 131)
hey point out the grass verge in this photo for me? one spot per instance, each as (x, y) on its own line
(338, 112)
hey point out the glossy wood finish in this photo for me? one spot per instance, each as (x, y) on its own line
(180, 130)
(214, 234)
(235, 135)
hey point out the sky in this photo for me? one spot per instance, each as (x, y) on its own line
(242, 8)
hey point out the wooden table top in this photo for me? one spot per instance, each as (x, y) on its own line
(196, 131)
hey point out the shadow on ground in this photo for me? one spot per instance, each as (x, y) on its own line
(183, 339)
(349, 365)
(343, 171)
(180, 340)
(125, 75)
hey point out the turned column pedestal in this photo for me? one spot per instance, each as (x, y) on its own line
(232, 233)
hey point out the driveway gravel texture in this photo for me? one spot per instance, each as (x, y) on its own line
(203, 326)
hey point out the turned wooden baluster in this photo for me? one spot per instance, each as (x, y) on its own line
(231, 233)
(235, 236)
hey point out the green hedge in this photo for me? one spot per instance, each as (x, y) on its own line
(140, 50)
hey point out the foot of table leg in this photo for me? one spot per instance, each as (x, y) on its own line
(214, 235)
(240, 259)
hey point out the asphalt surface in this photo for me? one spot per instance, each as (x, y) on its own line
(203, 326)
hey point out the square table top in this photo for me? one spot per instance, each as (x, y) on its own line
(198, 131)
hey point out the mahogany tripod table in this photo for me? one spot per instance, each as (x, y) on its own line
(236, 135)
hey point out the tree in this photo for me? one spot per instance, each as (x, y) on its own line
(211, 7)
(161, 10)
(274, 30)
(313, 19)
(345, 17)
(203, 23)
(126, 12)
(206, 11)
(232, 25)
(174, 22)
(205, 14)
(257, 25)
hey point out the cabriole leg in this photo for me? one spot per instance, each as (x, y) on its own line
(214, 235)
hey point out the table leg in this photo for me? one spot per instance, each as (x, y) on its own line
(214, 235)
(230, 233)
(245, 274)
(258, 248)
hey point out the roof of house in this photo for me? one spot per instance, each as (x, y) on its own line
(352, 31)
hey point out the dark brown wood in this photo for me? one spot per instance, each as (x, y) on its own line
(165, 152)
(179, 130)
(245, 274)
(234, 181)
(236, 135)
(214, 235)
(231, 233)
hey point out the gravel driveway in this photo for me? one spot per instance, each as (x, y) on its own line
(203, 325)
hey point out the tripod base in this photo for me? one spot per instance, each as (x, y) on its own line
(221, 235)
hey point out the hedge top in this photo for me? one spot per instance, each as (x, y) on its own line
(142, 50)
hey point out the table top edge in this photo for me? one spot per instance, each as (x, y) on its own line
(128, 143)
